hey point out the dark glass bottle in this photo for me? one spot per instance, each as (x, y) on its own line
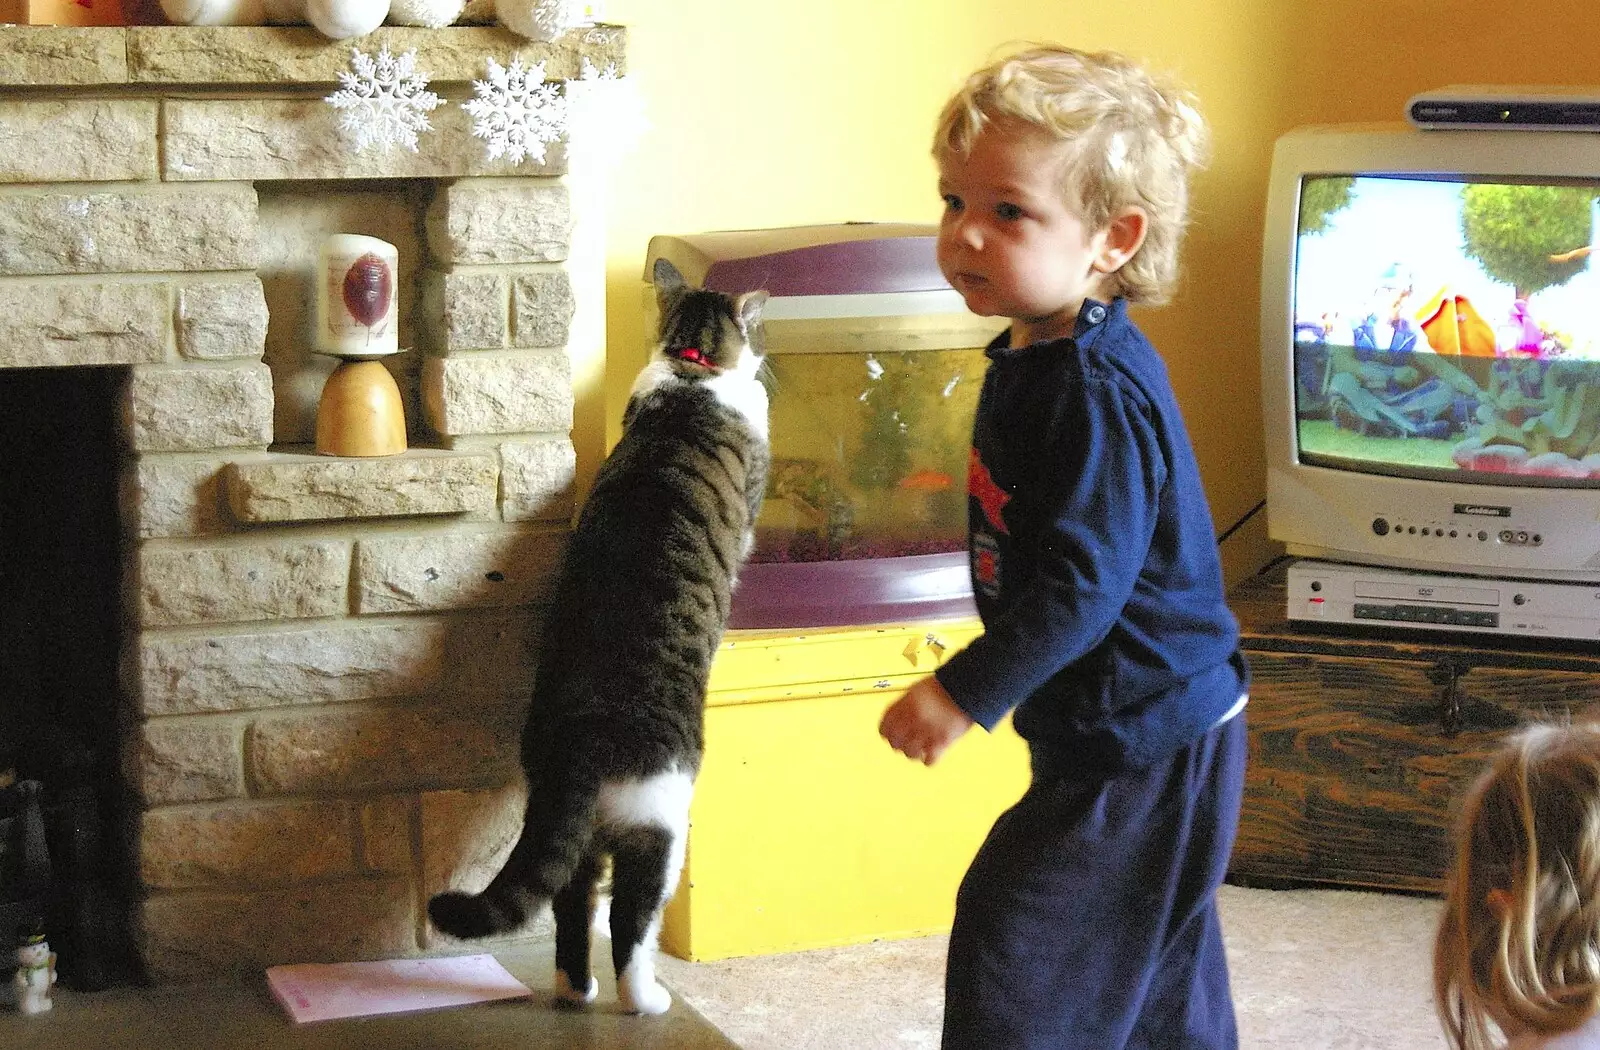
(25, 874)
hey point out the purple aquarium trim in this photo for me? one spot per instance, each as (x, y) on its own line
(889, 264)
(784, 595)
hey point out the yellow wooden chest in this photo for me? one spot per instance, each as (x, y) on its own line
(806, 830)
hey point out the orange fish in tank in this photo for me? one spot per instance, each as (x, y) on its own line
(926, 480)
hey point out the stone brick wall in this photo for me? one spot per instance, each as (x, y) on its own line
(329, 657)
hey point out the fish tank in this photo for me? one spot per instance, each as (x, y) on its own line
(873, 366)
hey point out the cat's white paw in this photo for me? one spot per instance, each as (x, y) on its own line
(567, 993)
(643, 995)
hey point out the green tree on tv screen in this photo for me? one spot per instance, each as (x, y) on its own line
(1321, 198)
(1513, 232)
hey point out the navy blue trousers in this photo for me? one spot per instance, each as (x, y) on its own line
(1088, 919)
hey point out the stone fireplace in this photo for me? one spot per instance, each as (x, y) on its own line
(322, 661)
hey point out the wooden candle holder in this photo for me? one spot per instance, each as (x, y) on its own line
(360, 413)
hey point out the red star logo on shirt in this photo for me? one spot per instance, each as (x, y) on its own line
(991, 497)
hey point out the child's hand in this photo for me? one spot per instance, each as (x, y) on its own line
(924, 722)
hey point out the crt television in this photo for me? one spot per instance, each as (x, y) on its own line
(1430, 349)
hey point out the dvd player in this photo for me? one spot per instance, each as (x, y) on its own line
(1509, 108)
(1331, 592)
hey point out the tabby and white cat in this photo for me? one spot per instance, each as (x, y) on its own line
(615, 732)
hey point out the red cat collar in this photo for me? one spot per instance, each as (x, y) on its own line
(693, 355)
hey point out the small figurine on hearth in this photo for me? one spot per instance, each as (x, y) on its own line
(36, 971)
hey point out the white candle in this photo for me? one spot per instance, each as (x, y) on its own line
(357, 297)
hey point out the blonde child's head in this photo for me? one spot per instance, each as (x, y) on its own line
(1519, 942)
(1128, 140)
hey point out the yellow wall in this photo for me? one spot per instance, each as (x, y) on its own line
(773, 114)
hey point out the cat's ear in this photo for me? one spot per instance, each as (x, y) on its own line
(669, 283)
(748, 307)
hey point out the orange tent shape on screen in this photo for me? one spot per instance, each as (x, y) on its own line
(1454, 326)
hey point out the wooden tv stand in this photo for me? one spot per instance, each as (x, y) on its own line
(1361, 745)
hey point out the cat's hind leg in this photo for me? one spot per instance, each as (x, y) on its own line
(573, 908)
(647, 825)
(645, 865)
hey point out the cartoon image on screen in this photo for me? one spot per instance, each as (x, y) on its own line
(1444, 327)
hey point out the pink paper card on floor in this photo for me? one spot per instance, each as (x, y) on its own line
(325, 991)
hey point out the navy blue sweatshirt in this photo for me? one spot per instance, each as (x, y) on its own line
(1092, 556)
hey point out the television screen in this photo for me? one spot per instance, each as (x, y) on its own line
(1449, 328)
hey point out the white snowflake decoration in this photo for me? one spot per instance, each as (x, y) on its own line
(516, 113)
(590, 71)
(607, 112)
(384, 101)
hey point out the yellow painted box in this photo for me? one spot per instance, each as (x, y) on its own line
(806, 830)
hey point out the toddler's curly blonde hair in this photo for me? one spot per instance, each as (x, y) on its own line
(1519, 942)
(1128, 137)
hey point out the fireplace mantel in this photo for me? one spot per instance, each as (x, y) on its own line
(328, 658)
(272, 58)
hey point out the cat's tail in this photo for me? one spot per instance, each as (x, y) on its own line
(556, 832)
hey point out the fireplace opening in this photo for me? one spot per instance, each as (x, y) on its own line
(61, 572)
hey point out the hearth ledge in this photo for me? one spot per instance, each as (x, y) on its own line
(281, 487)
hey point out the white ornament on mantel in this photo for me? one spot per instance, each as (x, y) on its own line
(384, 101)
(213, 12)
(541, 20)
(335, 19)
(343, 19)
(516, 113)
(430, 14)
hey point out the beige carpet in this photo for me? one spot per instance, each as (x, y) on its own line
(1312, 970)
